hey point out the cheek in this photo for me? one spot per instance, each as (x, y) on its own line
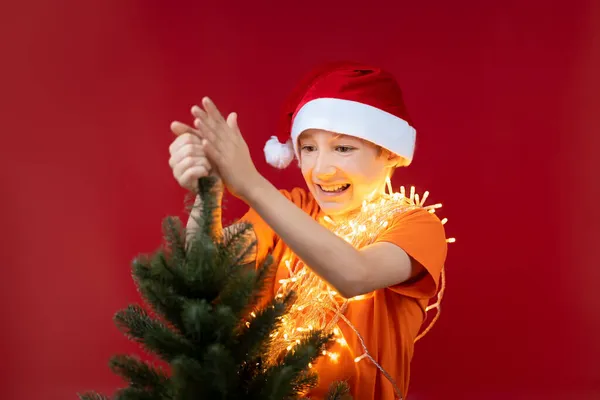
(368, 176)
(306, 170)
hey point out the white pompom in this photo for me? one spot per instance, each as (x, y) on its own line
(278, 154)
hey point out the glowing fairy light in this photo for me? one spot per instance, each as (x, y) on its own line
(388, 184)
(425, 196)
(433, 207)
(317, 305)
(357, 359)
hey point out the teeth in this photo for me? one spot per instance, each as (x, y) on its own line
(333, 188)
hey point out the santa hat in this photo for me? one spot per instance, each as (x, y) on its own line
(348, 98)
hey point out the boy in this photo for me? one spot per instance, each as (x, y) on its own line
(349, 131)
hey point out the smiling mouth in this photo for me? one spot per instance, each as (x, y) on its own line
(333, 189)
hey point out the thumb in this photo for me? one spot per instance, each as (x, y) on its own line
(232, 121)
(179, 128)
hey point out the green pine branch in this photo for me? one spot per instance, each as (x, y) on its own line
(304, 381)
(91, 396)
(200, 296)
(339, 391)
(254, 339)
(154, 335)
(136, 393)
(141, 375)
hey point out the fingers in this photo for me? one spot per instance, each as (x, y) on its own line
(179, 128)
(193, 150)
(232, 122)
(189, 162)
(195, 147)
(212, 110)
(208, 133)
(184, 140)
(189, 179)
(210, 115)
(189, 169)
(216, 131)
(198, 112)
(212, 152)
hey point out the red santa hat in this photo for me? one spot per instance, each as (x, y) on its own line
(347, 98)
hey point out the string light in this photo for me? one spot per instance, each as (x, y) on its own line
(357, 359)
(317, 305)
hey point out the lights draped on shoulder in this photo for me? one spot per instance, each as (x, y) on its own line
(375, 216)
(317, 305)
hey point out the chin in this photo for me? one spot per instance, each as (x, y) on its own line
(335, 205)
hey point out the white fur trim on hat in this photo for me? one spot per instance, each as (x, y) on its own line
(359, 120)
(278, 154)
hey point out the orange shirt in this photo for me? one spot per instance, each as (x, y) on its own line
(388, 319)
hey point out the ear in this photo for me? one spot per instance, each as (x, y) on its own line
(393, 160)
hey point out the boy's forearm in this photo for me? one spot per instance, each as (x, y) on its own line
(318, 247)
(196, 212)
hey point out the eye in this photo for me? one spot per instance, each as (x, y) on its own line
(344, 149)
(308, 148)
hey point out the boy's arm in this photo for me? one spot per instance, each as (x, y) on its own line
(350, 271)
(192, 225)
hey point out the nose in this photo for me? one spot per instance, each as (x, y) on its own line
(323, 167)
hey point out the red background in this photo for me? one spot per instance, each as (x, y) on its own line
(505, 99)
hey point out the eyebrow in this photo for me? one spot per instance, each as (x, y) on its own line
(306, 135)
(310, 135)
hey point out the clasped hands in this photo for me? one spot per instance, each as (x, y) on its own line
(213, 146)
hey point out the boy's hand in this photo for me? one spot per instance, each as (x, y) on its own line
(188, 159)
(226, 148)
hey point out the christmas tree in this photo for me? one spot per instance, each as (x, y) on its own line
(202, 318)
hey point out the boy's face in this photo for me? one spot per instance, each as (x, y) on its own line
(342, 171)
